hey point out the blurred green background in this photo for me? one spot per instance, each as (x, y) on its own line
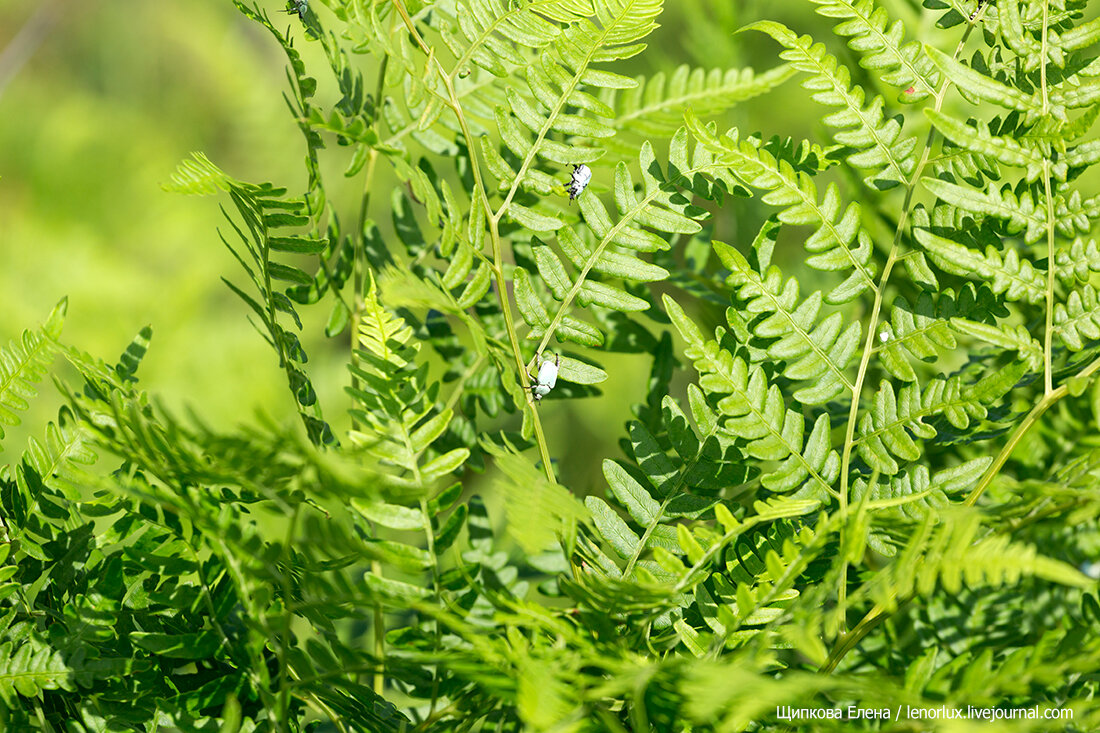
(100, 100)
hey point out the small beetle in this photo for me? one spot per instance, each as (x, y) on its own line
(579, 180)
(301, 7)
(547, 378)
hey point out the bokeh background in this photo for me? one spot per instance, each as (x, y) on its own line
(100, 100)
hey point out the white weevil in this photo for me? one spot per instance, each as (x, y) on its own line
(579, 180)
(547, 378)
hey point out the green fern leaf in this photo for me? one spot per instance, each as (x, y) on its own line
(889, 430)
(1008, 274)
(983, 87)
(597, 32)
(1006, 150)
(1077, 262)
(838, 242)
(655, 107)
(814, 350)
(917, 331)
(755, 413)
(657, 207)
(399, 423)
(878, 141)
(1077, 320)
(1020, 212)
(29, 668)
(23, 363)
(881, 46)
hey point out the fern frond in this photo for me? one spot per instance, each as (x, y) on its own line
(1077, 320)
(889, 430)
(986, 88)
(491, 33)
(911, 496)
(396, 411)
(705, 462)
(655, 107)
(881, 46)
(597, 32)
(266, 216)
(1008, 273)
(29, 667)
(1078, 262)
(754, 412)
(918, 331)
(817, 351)
(658, 207)
(23, 363)
(1020, 211)
(948, 550)
(1011, 338)
(838, 242)
(1011, 151)
(879, 144)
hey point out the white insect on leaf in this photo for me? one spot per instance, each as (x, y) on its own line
(547, 377)
(579, 180)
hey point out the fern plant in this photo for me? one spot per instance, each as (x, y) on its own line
(863, 474)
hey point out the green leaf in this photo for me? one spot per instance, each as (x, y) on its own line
(199, 645)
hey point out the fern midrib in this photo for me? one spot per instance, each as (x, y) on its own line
(853, 105)
(583, 67)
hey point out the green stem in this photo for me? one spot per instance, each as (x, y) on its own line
(498, 258)
(872, 325)
(1032, 417)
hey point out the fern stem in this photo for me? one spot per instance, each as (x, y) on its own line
(1048, 377)
(494, 231)
(437, 587)
(892, 258)
(359, 254)
(1043, 62)
(872, 325)
(1052, 269)
(1032, 417)
(510, 326)
(283, 711)
(379, 637)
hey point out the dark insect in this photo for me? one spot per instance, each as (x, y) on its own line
(301, 7)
